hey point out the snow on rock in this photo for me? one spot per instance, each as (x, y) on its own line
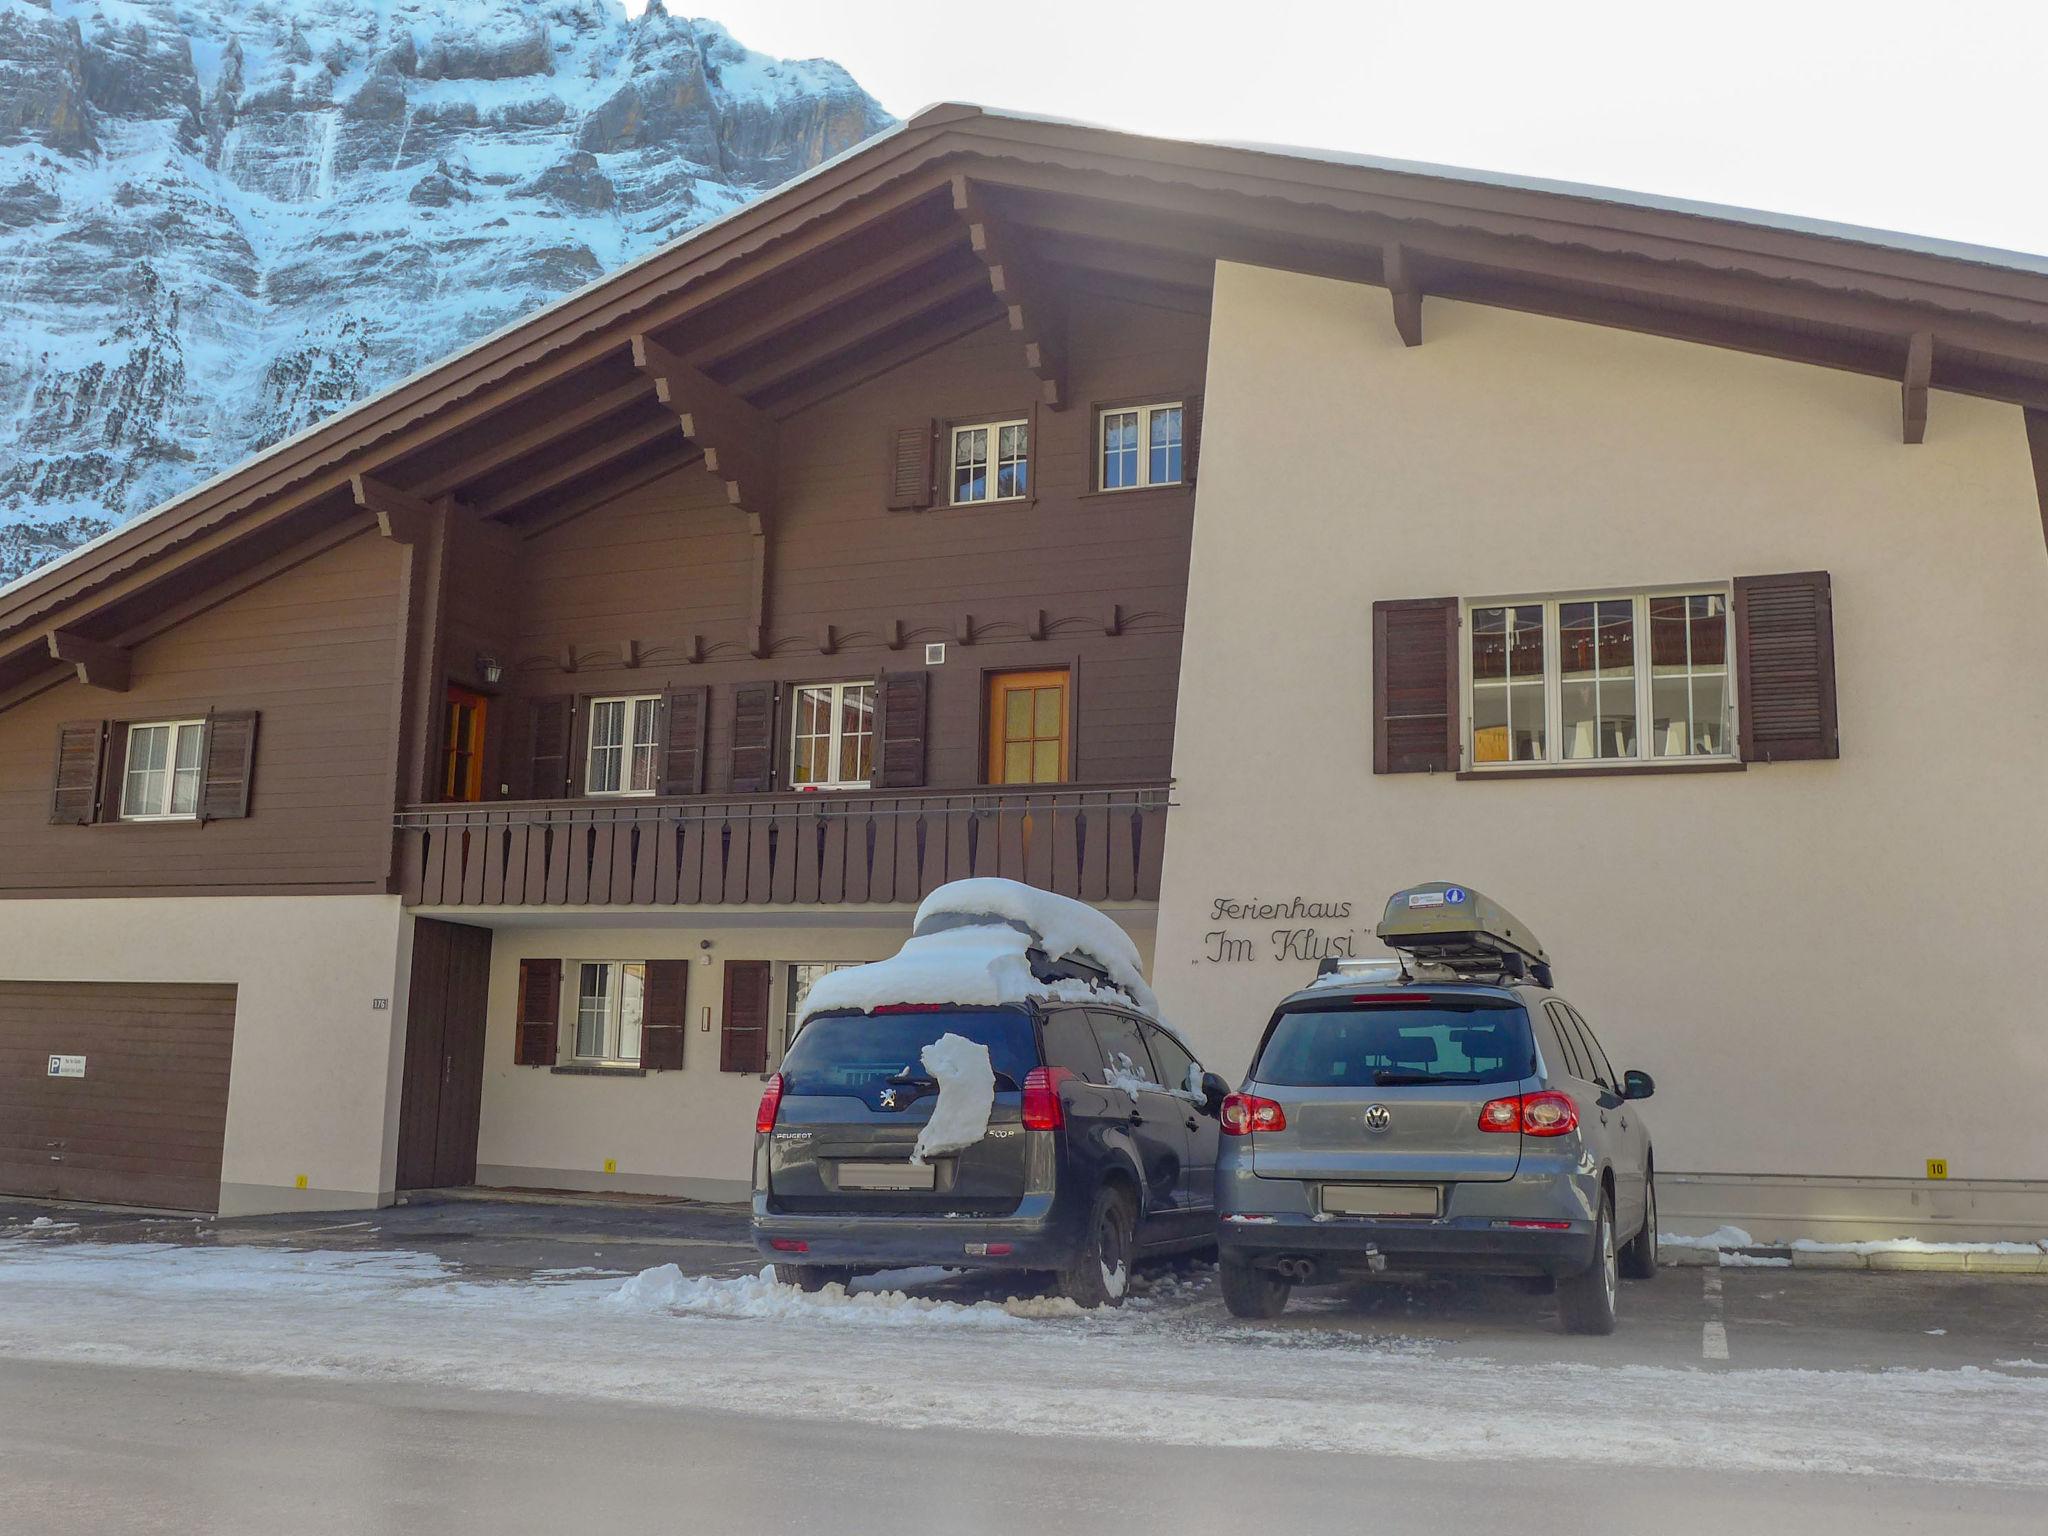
(967, 1092)
(761, 1297)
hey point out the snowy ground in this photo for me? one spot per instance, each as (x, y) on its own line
(1169, 1369)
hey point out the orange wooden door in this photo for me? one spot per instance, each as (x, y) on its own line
(462, 765)
(1029, 732)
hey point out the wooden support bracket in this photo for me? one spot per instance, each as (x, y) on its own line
(693, 653)
(963, 629)
(894, 637)
(828, 640)
(629, 653)
(99, 665)
(1039, 626)
(1913, 388)
(1406, 294)
(1114, 624)
(401, 516)
(567, 660)
(1034, 315)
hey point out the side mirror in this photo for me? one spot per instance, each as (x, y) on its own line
(1637, 1085)
(1214, 1092)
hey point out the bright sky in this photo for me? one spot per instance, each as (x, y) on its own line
(1922, 117)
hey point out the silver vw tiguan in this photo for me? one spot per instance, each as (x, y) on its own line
(1451, 1112)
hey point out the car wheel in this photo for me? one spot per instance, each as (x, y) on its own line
(1101, 1271)
(1249, 1292)
(812, 1278)
(1639, 1258)
(1585, 1301)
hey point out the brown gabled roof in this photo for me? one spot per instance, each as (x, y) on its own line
(864, 260)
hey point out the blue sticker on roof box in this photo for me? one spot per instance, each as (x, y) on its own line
(1454, 894)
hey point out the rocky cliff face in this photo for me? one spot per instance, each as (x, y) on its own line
(221, 220)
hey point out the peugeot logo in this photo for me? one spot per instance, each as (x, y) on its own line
(888, 1098)
(1378, 1117)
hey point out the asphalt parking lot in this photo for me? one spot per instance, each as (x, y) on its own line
(1725, 1318)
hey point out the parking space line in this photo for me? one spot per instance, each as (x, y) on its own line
(1714, 1332)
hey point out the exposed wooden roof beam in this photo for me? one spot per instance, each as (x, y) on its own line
(1033, 315)
(624, 483)
(1913, 388)
(864, 325)
(99, 665)
(875, 362)
(501, 451)
(614, 447)
(1172, 269)
(739, 439)
(402, 517)
(1406, 294)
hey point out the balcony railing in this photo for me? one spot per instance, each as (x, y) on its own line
(1099, 843)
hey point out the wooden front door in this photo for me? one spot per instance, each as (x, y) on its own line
(462, 751)
(1028, 727)
(441, 1103)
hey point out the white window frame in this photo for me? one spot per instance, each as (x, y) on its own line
(1144, 414)
(628, 744)
(162, 811)
(838, 732)
(610, 1043)
(1553, 679)
(994, 429)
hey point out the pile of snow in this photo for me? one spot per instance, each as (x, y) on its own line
(967, 1092)
(667, 1289)
(985, 964)
(1727, 1239)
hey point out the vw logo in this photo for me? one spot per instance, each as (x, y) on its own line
(1378, 1117)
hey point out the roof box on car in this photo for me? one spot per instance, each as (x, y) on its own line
(1457, 927)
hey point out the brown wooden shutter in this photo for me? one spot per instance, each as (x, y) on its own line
(75, 788)
(549, 725)
(665, 1020)
(114, 770)
(1415, 685)
(743, 1035)
(540, 1013)
(911, 452)
(753, 738)
(901, 700)
(1190, 437)
(230, 757)
(1785, 667)
(685, 711)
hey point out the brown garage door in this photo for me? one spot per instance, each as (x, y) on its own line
(145, 1123)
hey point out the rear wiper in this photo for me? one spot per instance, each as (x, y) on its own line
(914, 1077)
(1385, 1077)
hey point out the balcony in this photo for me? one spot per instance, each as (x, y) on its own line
(1098, 843)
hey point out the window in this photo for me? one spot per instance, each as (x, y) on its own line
(611, 1001)
(1027, 728)
(1330, 1043)
(1589, 1047)
(1177, 1069)
(164, 767)
(1123, 1050)
(801, 976)
(1599, 679)
(832, 738)
(625, 756)
(1141, 445)
(991, 462)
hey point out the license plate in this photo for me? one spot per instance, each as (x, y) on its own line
(1382, 1199)
(887, 1176)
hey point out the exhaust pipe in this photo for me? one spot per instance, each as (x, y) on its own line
(1294, 1269)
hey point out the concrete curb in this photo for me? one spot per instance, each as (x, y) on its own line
(1957, 1262)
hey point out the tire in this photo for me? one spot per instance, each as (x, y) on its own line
(1639, 1258)
(812, 1278)
(1100, 1275)
(1249, 1292)
(1585, 1301)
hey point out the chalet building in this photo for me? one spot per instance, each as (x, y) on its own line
(467, 789)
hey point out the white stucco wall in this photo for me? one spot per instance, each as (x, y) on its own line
(1830, 967)
(312, 1088)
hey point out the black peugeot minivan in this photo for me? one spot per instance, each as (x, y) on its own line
(1100, 1149)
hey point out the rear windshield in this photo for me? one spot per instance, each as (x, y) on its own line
(852, 1053)
(1449, 1039)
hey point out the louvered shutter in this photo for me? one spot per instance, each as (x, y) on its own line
(113, 770)
(665, 1017)
(549, 724)
(540, 1013)
(1785, 667)
(900, 707)
(743, 1033)
(1190, 437)
(230, 757)
(911, 451)
(753, 738)
(684, 710)
(1415, 685)
(75, 788)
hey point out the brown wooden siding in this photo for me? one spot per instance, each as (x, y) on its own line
(147, 1122)
(313, 650)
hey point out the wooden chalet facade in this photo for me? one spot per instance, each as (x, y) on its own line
(465, 789)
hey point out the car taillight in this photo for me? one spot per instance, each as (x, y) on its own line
(1548, 1113)
(1244, 1113)
(771, 1102)
(1042, 1111)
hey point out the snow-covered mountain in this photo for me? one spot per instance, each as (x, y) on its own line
(221, 220)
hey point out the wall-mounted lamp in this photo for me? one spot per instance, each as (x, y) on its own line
(490, 670)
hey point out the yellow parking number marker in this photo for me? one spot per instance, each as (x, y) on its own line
(611, 1165)
(1937, 1167)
